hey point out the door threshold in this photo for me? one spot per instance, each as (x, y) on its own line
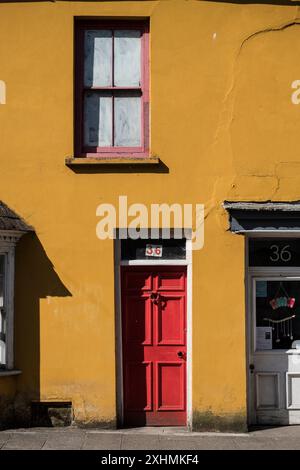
(156, 429)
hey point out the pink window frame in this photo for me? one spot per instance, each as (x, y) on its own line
(80, 150)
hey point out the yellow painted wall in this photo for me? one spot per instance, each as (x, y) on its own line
(222, 121)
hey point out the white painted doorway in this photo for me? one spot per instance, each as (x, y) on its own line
(273, 325)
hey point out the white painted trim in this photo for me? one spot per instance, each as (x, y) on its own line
(249, 359)
(189, 335)
(266, 233)
(118, 322)
(250, 274)
(262, 206)
(277, 352)
(275, 374)
(11, 237)
(150, 262)
(118, 333)
(8, 250)
(273, 271)
(9, 305)
(288, 390)
(269, 233)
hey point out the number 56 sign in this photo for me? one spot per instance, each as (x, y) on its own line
(154, 250)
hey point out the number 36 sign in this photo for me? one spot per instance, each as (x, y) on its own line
(274, 252)
(154, 250)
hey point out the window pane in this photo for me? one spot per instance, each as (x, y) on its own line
(127, 121)
(127, 58)
(2, 315)
(98, 58)
(98, 120)
(277, 314)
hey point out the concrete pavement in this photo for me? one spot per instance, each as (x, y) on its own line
(147, 439)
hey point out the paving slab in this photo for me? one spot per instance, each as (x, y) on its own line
(140, 442)
(280, 431)
(287, 444)
(4, 437)
(25, 442)
(64, 441)
(102, 441)
(196, 443)
(258, 444)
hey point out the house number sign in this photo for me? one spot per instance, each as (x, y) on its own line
(154, 251)
(274, 252)
(280, 254)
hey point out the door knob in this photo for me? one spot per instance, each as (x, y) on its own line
(180, 354)
(251, 367)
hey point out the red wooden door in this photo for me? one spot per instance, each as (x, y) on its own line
(154, 345)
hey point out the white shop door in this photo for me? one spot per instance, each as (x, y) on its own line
(274, 366)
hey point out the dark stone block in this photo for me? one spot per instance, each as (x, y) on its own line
(51, 414)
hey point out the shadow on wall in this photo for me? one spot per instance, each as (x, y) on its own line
(35, 279)
(264, 2)
(279, 2)
(258, 2)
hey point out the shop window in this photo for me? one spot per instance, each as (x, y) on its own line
(277, 297)
(112, 97)
(277, 313)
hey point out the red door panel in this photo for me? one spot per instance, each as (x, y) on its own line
(154, 345)
(138, 280)
(138, 377)
(138, 320)
(170, 320)
(170, 386)
(171, 280)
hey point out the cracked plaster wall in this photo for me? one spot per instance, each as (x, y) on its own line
(222, 121)
(258, 125)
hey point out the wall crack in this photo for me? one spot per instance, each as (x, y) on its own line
(226, 115)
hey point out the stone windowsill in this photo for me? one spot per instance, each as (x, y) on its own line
(7, 373)
(96, 161)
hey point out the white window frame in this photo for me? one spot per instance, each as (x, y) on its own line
(8, 241)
